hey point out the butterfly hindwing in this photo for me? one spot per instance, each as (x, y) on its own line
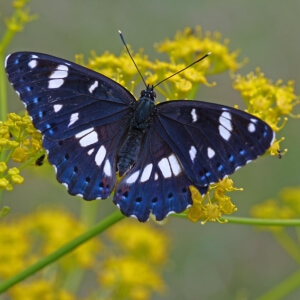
(82, 115)
(211, 140)
(157, 183)
(88, 169)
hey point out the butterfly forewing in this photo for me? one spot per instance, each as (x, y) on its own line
(82, 115)
(211, 140)
(64, 98)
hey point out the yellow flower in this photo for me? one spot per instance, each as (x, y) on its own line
(3, 166)
(212, 209)
(39, 289)
(19, 141)
(130, 278)
(266, 100)
(15, 245)
(57, 233)
(189, 43)
(19, 155)
(141, 241)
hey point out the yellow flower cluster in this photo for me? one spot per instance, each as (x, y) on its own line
(268, 101)
(189, 44)
(40, 289)
(134, 268)
(128, 261)
(20, 17)
(20, 142)
(184, 49)
(209, 208)
(287, 207)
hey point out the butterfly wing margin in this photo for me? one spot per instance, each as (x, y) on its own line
(211, 140)
(157, 183)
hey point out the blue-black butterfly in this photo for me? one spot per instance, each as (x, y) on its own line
(93, 127)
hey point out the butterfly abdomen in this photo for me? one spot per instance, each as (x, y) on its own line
(130, 148)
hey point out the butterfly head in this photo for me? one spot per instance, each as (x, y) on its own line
(148, 93)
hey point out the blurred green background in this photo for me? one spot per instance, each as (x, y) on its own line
(207, 262)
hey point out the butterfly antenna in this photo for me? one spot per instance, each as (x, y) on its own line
(207, 54)
(123, 40)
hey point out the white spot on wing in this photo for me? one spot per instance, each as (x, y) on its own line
(194, 115)
(251, 127)
(90, 152)
(170, 213)
(132, 178)
(192, 153)
(89, 139)
(65, 185)
(57, 107)
(174, 163)
(146, 173)
(155, 176)
(273, 139)
(84, 132)
(6, 58)
(93, 86)
(55, 83)
(32, 64)
(133, 216)
(73, 119)
(99, 158)
(210, 152)
(107, 168)
(225, 134)
(225, 120)
(60, 72)
(165, 167)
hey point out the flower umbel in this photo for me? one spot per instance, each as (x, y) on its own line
(212, 208)
(19, 142)
(271, 102)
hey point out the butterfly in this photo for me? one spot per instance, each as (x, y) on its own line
(93, 127)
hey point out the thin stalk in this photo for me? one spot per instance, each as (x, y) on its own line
(253, 221)
(283, 289)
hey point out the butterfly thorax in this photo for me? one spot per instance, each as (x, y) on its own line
(139, 123)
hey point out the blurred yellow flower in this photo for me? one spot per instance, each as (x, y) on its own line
(141, 241)
(38, 290)
(130, 278)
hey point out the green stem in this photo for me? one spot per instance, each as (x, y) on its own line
(283, 289)
(253, 221)
(97, 229)
(3, 97)
(5, 41)
(288, 244)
